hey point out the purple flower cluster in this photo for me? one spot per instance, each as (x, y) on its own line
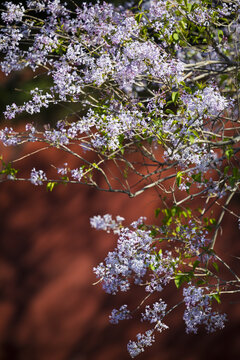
(143, 340)
(193, 238)
(163, 265)
(130, 259)
(57, 137)
(37, 177)
(159, 15)
(111, 50)
(198, 107)
(13, 13)
(204, 103)
(121, 314)
(106, 223)
(199, 311)
(155, 315)
(9, 137)
(63, 170)
(77, 174)
(134, 258)
(120, 56)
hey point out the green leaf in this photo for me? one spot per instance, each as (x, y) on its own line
(175, 36)
(188, 184)
(226, 170)
(220, 35)
(174, 210)
(8, 169)
(192, 139)
(189, 7)
(175, 96)
(179, 178)
(197, 177)
(50, 185)
(196, 133)
(200, 85)
(65, 179)
(236, 172)
(189, 212)
(232, 181)
(138, 17)
(157, 211)
(201, 282)
(215, 265)
(195, 264)
(212, 221)
(180, 278)
(168, 111)
(150, 140)
(217, 298)
(229, 153)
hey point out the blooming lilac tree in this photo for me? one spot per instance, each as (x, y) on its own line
(152, 89)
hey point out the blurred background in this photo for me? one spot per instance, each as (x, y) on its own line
(49, 309)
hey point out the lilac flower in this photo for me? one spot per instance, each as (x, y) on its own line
(122, 314)
(209, 101)
(30, 127)
(201, 16)
(55, 8)
(11, 111)
(36, 5)
(32, 106)
(163, 266)
(157, 13)
(77, 174)
(195, 239)
(56, 137)
(63, 170)
(77, 55)
(46, 42)
(99, 141)
(213, 189)
(198, 311)
(9, 137)
(104, 67)
(125, 30)
(106, 223)
(37, 177)
(131, 258)
(155, 315)
(144, 340)
(13, 13)
(31, 132)
(138, 222)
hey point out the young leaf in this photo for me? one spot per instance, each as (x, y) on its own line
(217, 298)
(50, 185)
